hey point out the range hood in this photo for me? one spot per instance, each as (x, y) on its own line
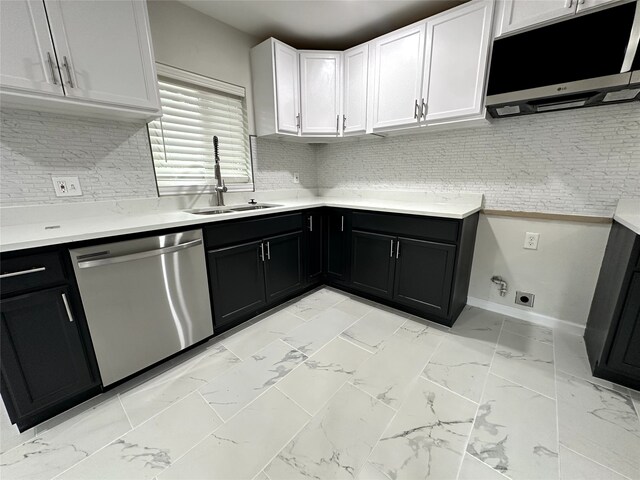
(591, 59)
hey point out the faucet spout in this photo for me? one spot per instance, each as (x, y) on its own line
(220, 187)
(502, 283)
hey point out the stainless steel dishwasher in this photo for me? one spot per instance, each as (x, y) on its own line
(144, 299)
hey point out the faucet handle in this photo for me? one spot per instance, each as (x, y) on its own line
(253, 201)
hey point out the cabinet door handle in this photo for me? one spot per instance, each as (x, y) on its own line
(311, 223)
(52, 69)
(391, 251)
(568, 3)
(262, 252)
(65, 64)
(415, 110)
(66, 306)
(344, 123)
(423, 109)
(298, 121)
(23, 272)
(268, 251)
(342, 224)
(398, 249)
(337, 124)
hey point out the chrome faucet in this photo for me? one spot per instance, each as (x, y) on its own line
(220, 187)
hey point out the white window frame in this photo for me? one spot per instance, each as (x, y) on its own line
(217, 86)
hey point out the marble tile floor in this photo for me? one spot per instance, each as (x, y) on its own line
(330, 386)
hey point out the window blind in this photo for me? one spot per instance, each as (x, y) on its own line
(182, 139)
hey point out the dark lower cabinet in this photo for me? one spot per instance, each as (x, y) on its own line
(625, 350)
(612, 335)
(283, 265)
(424, 274)
(314, 232)
(372, 263)
(337, 242)
(43, 354)
(237, 282)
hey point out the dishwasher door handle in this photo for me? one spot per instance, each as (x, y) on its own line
(138, 255)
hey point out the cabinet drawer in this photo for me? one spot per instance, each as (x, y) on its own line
(245, 230)
(30, 271)
(405, 225)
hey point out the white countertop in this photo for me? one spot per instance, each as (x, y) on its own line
(19, 236)
(628, 214)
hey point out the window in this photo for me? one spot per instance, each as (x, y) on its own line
(194, 109)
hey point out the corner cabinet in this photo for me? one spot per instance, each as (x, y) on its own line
(320, 81)
(82, 57)
(612, 335)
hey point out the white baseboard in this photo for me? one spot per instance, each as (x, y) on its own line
(532, 317)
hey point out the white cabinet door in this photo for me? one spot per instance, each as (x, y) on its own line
(589, 4)
(27, 57)
(320, 92)
(456, 61)
(399, 59)
(287, 88)
(355, 64)
(104, 51)
(520, 14)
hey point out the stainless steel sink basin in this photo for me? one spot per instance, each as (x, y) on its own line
(221, 210)
(252, 207)
(208, 211)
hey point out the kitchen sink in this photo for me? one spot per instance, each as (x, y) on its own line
(252, 207)
(218, 211)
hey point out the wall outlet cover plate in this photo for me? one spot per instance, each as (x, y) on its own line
(66, 186)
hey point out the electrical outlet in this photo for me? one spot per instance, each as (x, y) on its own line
(66, 186)
(296, 177)
(531, 240)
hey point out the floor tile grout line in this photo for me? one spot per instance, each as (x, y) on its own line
(484, 388)
(350, 382)
(295, 402)
(422, 376)
(125, 412)
(346, 339)
(523, 386)
(530, 338)
(597, 463)
(486, 465)
(212, 409)
(555, 386)
(399, 406)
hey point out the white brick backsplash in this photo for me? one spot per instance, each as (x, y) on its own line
(577, 161)
(574, 162)
(111, 158)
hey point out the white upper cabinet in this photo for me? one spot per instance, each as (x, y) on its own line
(456, 54)
(287, 88)
(584, 5)
(27, 56)
(520, 14)
(78, 57)
(355, 64)
(399, 58)
(104, 51)
(320, 92)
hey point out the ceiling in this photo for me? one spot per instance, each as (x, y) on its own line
(320, 24)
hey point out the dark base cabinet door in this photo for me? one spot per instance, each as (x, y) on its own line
(337, 246)
(237, 282)
(625, 351)
(314, 246)
(424, 272)
(283, 265)
(44, 360)
(373, 262)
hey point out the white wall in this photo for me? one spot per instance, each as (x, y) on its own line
(187, 39)
(562, 273)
